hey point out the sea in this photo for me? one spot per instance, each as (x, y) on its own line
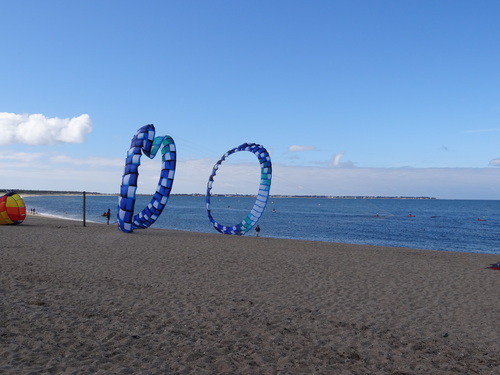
(429, 224)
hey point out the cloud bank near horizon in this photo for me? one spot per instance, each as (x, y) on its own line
(56, 171)
(39, 130)
(192, 177)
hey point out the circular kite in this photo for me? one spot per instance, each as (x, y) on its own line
(12, 209)
(144, 141)
(260, 203)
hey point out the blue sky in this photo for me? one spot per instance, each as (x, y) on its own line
(357, 97)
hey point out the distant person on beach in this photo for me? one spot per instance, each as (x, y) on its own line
(108, 215)
(257, 230)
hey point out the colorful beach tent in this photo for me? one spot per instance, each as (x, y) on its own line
(12, 209)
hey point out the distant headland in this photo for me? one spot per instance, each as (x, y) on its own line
(71, 192)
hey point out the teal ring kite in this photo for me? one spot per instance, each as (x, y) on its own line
(263, 195)
(144, 141)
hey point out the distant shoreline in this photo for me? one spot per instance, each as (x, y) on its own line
(32, 193)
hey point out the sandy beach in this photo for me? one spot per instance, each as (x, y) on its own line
(94, 300)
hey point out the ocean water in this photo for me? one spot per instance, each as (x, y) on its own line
(449, 225)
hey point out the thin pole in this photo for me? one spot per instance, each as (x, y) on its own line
(84, 209)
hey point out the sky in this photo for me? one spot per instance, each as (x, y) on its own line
(358, 97)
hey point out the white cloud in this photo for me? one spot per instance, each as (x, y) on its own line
(36, 129)
(296, 148)
(21, 156)
(494, 163)
(336, 161)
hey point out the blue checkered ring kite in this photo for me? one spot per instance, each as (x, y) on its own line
(144, 141)
(260, 203)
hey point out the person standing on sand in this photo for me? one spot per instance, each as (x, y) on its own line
(108, 215)
(257, 230)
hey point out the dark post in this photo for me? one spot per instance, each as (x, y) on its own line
(84, 209)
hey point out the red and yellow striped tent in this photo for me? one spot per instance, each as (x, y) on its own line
(12, 209)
